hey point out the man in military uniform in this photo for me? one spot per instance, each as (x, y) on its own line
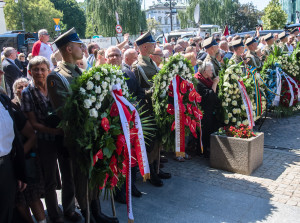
(252, 58)
(58, 84)
(283, 37)
(269, 38)
(144, 69)
(212, 49)
(238, 51)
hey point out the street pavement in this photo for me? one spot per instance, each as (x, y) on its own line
(197, 193)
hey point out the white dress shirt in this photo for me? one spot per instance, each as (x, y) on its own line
(7, 134)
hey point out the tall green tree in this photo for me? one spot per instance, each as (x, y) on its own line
(38, 14)
(102, 18)
(221, 12)
(274, 16)
(74, 15)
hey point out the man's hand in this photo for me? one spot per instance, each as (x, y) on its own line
(126, 37)
(216, 80)
(21, 186)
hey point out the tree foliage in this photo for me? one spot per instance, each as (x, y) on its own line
(38, 14)
(221, 12)
(102, 18)
(74, 15)
(274, 16)
(152, 25)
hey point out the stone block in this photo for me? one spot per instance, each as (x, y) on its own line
(235, 154)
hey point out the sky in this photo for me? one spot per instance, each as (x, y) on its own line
(260, 4)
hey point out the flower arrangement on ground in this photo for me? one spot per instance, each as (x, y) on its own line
(176, 80)
(241, 131)
(233, 106)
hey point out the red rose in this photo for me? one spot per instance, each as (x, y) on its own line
(170, 109)
(114, 111)
(105, 124)
(189, 108)
(183, 87)
(193, 126)
(173, 126)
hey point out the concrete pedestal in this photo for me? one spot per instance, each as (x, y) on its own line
(235, 154)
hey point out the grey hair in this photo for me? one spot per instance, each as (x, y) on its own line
(8, 51)
(112, 48)
(42, 32)
(203, 65)
(17, 82)
(128, 52)
(37, 60)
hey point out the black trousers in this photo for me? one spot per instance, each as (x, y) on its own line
(49, 152)
(8, 185)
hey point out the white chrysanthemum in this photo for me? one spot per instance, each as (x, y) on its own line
(233, 119)
(93, 99)
(226, 121)
(82, 90)
(104, 71)
(98, 105)
(180, 63)
(107, 79)
(104, 85)
(118, 80)
(229, 115)
(234, 111)
(234, 103)
(223, 104)
(97, 76)
(93, 113)
(97, 89)
(89, 85)
(87, 103)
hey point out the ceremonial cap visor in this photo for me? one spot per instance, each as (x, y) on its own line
(209, 42)
(145, 38)
(69, 36)
(237, 43)
(268, 36)
(250, 40)
(282, 35)
(294, 30)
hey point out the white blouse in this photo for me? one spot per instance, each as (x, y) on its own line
(7, 134)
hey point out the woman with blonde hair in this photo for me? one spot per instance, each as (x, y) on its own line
(18, 87)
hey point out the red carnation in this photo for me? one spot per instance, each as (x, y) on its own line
(183, 87)
(189, 108)
(105, 124)
(170, 109)
(114, 111)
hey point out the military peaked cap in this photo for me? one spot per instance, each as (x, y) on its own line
(282, 35)
(209, 42)
(69, 36)
(237, 43)
(268, 36)
(145, 38)
(250, 40)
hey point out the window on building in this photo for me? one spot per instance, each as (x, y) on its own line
(159, 19)
(166, 20)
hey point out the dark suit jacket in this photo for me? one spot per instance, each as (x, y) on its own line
(133, 86)
(11, 74)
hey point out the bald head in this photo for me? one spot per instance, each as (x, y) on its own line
(130, 56)
(223, 45)
(157, 56)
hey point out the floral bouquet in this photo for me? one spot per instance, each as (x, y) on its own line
(255, 87)
(176, 81)
(289, 65)
(234, 109)
(241, 131)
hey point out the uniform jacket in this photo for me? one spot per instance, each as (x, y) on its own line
(12, 73)
(236, 59)
(133, 85)
(253, 59)
(215, 62)
(149, 68)
(57, 87)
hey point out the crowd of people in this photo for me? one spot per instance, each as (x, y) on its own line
(35, 161)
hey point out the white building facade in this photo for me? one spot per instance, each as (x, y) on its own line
(2, 19)
(160, 12)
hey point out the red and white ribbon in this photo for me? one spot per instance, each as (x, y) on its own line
(179, 119)
(125, 118)
(247, 103)
(289, 81)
